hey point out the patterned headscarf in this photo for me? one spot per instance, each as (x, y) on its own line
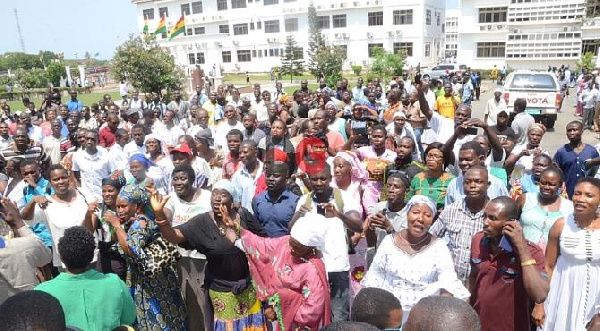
(359, 173)
(537, 126)
(142, 159)
(116, 180)
(135, 194)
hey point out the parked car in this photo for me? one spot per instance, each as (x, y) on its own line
(439, 71)
(539, 89)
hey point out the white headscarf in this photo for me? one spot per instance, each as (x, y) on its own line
(417, 199)
(310, 230)
(226, 185)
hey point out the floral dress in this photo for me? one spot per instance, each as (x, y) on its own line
(158, 300)
(435, 188)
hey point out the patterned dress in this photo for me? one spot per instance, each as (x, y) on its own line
(435, 188)
(158, 299)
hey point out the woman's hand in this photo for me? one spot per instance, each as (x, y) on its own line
(11, 213)
(538, 315)
(41, 200)
(112, 219)
(379, 220)
(92, 207)
(158, 201)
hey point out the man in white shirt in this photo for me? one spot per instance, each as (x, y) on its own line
(171, 131)
(231, 122)
(136, 145)
(358, 91)
(327, 201)
(123, 90)
(35, 132)
(493, 107)
(118, 159)
(91, 165)
(136, 102)
(5, 137)
(246, 177)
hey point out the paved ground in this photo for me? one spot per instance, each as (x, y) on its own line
(553, 139)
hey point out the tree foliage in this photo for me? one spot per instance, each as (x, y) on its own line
(19, 60)
(316, 40)
(386, 64)
(33, 78)
(356, 69)
(290, 63)
(55, 71)
(329, 61)
(586, 61)
(146, 66)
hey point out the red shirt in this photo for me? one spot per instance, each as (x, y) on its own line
(500, 298)
(107, 137)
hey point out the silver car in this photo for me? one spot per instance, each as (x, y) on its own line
(439, 71)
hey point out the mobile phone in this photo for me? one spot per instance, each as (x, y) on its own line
(471, 131)
(506, 244)
(320, 210)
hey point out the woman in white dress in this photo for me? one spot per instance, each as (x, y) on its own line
(573, 263)
(412, 263)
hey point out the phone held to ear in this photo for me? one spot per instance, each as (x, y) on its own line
(506, 244)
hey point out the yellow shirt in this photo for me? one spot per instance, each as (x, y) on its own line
(446, 105)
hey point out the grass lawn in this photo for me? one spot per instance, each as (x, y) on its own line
(86, 98)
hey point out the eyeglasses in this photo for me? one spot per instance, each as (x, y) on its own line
(434, 157)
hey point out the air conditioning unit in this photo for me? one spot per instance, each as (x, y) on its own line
(346, 36)
(342, 5)
(235, 42)
(189, 47)
(337, 36)
(565, 28)
(319, 7)
(398, 33)
(391, 33)
(333, 5)
(517, 31)
(218, 44)
(376, 2)
(500, 26)
(356, 3)
(369, 35)
(237, 66)
(489, 27)
(193, 20)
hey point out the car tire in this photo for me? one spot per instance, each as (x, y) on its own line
(548, 122)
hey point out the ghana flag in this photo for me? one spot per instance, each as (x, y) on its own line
(145, 29)
(178, 28)
(162, 26)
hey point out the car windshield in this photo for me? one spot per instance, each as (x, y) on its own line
(533, 81)
(444, 67)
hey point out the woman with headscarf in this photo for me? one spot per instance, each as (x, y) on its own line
(521, 158)
(412, 263)
(110, 259)
(232, 301)
(336, 122)
(158, 299)
(289, 274)
(143, 172)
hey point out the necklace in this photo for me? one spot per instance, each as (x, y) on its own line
(416, 244)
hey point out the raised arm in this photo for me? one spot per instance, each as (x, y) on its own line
(158, 201)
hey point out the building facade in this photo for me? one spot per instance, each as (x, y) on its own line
(451, 35)
(525, 34)
(250, 35)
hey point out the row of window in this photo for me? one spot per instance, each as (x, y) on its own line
(545, 36)
(492, 15)
(196, 7)
(542, 55)
(491, 49)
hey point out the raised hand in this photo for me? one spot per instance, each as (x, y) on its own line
(11, 213)
(158, 201)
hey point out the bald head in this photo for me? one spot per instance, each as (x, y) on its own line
(440, 314)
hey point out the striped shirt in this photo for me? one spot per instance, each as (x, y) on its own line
(457, 226)
(34, 153)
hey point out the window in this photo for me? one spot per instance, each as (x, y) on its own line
(274, 52)
(192, 58)
(258, 25)
(239, 29)
(238, 4)
(224, 28)
(270, 2)
(492, 15)
(589, 46)
(163, 10)
(185, 9)
(323, 22)
(188, 31)
(402, 17)
(272, 26)
(371, 47)
(244, 56)
(200, 58)
(438, 19)
(226, 55)
(148, 13)
(404, 47)
(291, 24)
(428, 17)
(253, 53)
(491, 49)
(221, 4)
(197, 7)
(427, 49)
(298, 53)
(375, 18)
(199, 30)
(339, 21)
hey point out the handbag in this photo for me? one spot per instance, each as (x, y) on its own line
(155, 255)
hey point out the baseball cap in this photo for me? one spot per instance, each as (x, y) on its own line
(205, 137)
(182, 148)
(132, 111)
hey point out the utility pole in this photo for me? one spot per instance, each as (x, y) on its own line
(21, 41)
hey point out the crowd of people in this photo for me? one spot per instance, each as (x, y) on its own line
(381, 206)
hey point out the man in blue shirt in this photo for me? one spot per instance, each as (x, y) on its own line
(275, 207)
(575, 159)
(74, 104)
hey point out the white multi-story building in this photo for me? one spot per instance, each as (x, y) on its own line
(531, 34)
(250, 35)
(451, 34)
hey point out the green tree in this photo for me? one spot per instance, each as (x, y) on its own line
(291, 64)
(386, 64)
(146, 66)
(586, 61)
(19, 60)
(329, 61)
(54, 71)
(316, 40)
(357, 69)
(33, 78)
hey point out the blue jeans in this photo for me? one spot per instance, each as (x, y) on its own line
(339, 285)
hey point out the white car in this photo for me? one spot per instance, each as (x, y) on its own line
(439, 71)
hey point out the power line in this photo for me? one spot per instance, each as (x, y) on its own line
(21, 41)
